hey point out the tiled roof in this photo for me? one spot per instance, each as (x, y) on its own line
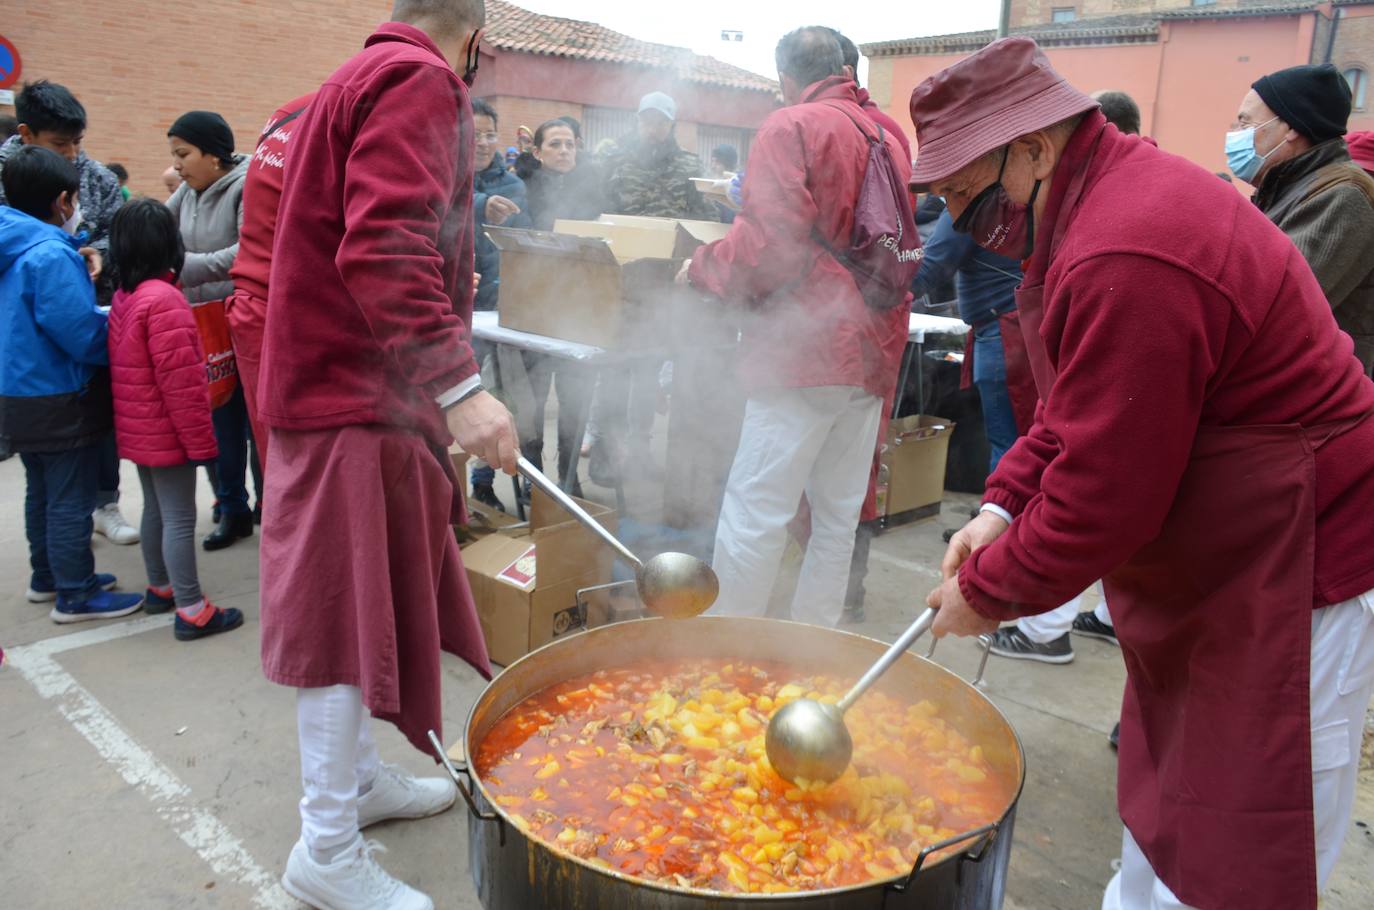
(1238, 12)
(512, 28)
(1109, 30)
(1135, 29)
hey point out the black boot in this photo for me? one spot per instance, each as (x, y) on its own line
(231, 528)
(483, 493)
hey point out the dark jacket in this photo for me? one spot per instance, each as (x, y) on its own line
(986, 281)
(575, 196)
(655, 181)
(494, 180)
(54, 392)
(1324, 202)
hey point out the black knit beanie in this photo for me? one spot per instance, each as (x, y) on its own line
(207, 131)
(1314, 100)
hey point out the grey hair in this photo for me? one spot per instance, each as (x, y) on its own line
(450, 17)
(809, 55)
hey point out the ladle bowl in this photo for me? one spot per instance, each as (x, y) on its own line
(808, 740)
(671, 585)
(676, 585)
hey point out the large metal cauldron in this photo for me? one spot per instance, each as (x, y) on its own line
(513, 871)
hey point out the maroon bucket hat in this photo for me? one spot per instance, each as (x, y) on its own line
(1006, 90)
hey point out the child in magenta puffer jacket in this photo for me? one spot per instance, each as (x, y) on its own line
(162, 409)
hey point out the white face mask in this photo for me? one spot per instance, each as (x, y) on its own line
(74, 222)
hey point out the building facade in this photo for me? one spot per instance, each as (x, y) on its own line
(137, 66)
(1186, 65)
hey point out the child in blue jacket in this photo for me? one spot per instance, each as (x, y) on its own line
(54, 383)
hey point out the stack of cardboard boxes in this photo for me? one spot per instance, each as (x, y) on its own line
(525, 575)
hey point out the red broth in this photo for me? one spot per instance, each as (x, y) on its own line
(659, 772)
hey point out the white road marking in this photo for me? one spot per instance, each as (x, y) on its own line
(897, 562)
(172, 799)
(97, 635)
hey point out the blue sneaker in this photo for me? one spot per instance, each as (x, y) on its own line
(154, 603)
(211, 621)
(104, 580)
(101, 605)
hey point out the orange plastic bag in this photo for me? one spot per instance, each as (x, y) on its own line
(220, 366)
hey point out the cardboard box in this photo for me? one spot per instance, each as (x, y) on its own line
(525, 578)
(606, 283)
(913, 463)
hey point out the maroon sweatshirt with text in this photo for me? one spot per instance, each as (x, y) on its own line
(370, 299)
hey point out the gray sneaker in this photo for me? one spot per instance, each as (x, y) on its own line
(1012, 642)
(1087, 623)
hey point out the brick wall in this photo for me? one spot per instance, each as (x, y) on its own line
(1354, 47)
(138, 65)
(513, 112)
(1038, 12)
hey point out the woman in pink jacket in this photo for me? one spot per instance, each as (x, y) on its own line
(162, 409)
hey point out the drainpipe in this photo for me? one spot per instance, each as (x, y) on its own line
(1331, 38)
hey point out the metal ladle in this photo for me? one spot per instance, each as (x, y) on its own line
(672, 585)
(808, 739)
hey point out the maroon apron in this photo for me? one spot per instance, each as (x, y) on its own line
(1214, 619)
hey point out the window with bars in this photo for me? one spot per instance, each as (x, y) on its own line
(1063, 14)
(602, 123)
(708, 137)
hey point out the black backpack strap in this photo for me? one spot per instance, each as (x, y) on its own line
(279, 124)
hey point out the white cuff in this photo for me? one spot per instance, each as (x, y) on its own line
(996, 510)
(450, 398)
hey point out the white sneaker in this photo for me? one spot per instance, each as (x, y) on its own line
(396, 793)
(353, 881)
(110, 522)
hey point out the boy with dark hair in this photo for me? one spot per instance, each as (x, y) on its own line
(122, 175)
(54, 401)
(50, 117)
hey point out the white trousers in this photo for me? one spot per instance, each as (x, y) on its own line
(1046, 627)
(817, 441)
(338, 758)
(1342, 683)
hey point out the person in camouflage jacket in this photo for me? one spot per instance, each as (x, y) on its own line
(650, 174)
(50, 116)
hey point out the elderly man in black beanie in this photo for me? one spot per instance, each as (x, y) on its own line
(1288, 140)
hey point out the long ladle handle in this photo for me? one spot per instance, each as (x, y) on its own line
(537, 478)
(913, 632)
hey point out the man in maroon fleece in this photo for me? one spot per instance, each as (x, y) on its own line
(367, 376)
(1203, 442)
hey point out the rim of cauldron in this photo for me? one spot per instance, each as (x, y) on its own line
(709, 892)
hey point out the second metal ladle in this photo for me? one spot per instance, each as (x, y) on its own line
(672, 585)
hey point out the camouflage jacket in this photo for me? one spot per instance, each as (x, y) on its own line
(99, 195)
(655, 181)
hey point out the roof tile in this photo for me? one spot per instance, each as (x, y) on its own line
(512, 28)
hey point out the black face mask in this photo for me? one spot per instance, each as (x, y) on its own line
(999, 224)
(471, 59)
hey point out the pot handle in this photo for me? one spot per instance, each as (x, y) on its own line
(456, 772)
(990, 830)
